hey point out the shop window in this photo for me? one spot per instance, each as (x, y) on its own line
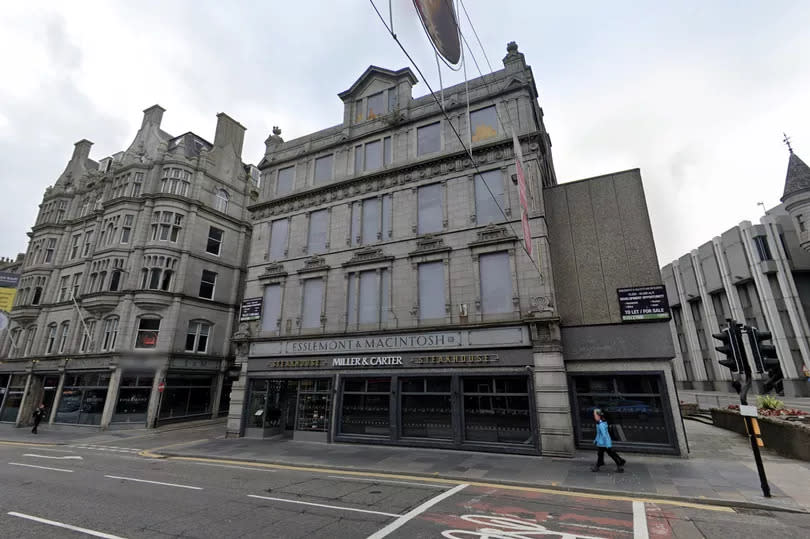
(186, 396)
(366, 406)
(430, 215)
(286, 180)
(634, 405)
(148, 329)
(431, 290)
(489, 197)
(83, 398)
(314, 397)
(278, 239)
(208, 283)
(197, 337)
(133, 398)
(312, 303)
(425, 409)
(484, 124)
(271, 307)
(428, 139)
(496, 409)
(323, 169)
(496, 283)
(214, 243)
(318, 234)
(13, 397)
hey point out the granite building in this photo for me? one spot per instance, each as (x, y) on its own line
(756, 274)
(126, 300)
(389, 298)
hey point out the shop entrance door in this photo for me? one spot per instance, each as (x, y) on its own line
(49, 385)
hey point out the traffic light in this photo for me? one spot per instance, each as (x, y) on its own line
(765, 358)
(731, 348)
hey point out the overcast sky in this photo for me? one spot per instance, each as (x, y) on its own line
(696, 94)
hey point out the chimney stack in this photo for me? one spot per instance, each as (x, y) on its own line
(81, 151)
(153, 115)
(229, 131)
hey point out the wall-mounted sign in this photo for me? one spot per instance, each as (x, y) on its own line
(643, 303)
(504, 358)
(251, 309)
(8, 289)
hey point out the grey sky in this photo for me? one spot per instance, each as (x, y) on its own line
(696, 94)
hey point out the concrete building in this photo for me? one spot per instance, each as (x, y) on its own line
(756, 274)
(389, 298)
(130, 282)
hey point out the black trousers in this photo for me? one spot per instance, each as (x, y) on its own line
(600, 458)
(36, 423)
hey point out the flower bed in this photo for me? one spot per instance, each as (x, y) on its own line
(789, 438)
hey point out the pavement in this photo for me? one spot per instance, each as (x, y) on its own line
(720, 468)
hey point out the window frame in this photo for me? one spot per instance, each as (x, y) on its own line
(197, 335)
(331, 169)
(428, 151)
(110, 332)
(203, 282)
(303, 306)
(218, 242)
(473, 136)
(221, 200)
(141, 330)
(279, 172)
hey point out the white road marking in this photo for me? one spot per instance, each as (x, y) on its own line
(323, 505)
(55, 450)
(640, 521)
(53, 457)
(153, 482)
(65, 526)
(428, 485)
(40, 467)
(403, 519)
(252, 469)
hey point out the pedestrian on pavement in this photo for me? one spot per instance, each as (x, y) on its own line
(604, 444)
(39, 413)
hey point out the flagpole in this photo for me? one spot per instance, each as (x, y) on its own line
(81, 319)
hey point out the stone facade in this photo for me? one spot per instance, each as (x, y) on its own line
(132, 275)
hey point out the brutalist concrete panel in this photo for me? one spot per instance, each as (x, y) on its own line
(668, 277)
(709, 267)
(688, 278)
(642, 261)
(562, 256)
(618, 341)
(612, 241)
(731, 240)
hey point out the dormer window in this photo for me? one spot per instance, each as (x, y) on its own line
(375, 105)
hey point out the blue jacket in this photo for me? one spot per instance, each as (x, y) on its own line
(602, 435)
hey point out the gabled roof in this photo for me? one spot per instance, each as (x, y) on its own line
(381, 72)
(798, 176)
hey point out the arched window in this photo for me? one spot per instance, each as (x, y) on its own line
(221, 203)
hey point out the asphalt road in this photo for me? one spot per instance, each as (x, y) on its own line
(110, 491)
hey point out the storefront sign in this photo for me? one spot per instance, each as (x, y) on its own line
(504, 358)
(643, 303)
(501, 337)
(251, 309)
(194, 364)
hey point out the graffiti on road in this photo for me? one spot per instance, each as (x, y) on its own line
(505, 527)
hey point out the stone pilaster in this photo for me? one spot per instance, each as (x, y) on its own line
(551, 399)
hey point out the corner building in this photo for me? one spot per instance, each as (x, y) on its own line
(149, 243)
(388, 297)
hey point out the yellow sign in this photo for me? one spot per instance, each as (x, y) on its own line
(7, 298)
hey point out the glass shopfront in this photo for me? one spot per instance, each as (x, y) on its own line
(133, 398)
(186, 396)
(460, 411)
(288, 405)
(13, 387)
(636, 407)
(83, 397)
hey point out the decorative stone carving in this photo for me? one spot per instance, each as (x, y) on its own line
(429, 244)
(314, 263)
(273, 271)
(493, 233)
(368, 255)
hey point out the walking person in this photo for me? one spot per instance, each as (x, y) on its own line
(604, 444)
(39, 413)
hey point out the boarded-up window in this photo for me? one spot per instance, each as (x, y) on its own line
(496, 283)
